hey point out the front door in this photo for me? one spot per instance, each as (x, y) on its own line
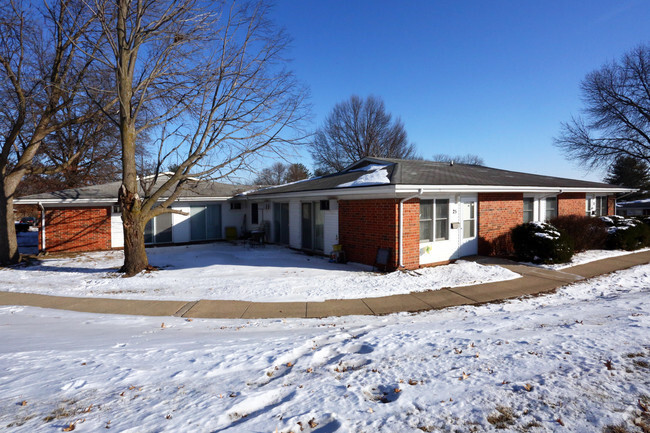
(468, 238)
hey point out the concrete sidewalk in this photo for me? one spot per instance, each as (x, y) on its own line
(534, 281)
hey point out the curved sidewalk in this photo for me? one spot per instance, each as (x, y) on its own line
(533, 281)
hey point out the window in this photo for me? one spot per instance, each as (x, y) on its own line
(551, 208)
(426, 220)
(469, 220)
(588, 209)
(529, 209)
(236, 205)
(434, 220)
(255, 217)
(324, 205)
(601, 205)
(205, 222)
(442, 219)
(116, 209)
(158, 230)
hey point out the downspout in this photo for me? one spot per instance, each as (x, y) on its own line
(42, 225)
(401, 224)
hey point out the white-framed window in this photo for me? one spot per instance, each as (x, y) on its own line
(434, 220)
(116, 208)
(601, 205)
(588, 206)
(529, 209)
(551, 208)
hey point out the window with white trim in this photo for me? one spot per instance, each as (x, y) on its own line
(551, 208)
(529, 209)
(601, 205)
(434, 220)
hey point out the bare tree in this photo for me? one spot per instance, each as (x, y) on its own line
(357, 128)
(616, 118)
(280, 173)
(273, 175)
(469, 159)
(209, 80)
(97, 144)
(43, 68)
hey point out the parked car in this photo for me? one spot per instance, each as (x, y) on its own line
(28, 220)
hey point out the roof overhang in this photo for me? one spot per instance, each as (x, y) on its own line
(106, 201)
(399, 190)
(496, 188)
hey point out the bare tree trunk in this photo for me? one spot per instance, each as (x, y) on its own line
(135, 256)
(8, 242)
(133, 220)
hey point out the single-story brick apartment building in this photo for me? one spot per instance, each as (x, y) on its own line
(423, 212)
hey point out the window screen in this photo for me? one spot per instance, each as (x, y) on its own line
(529, 209)
(551, 208)
(442, 219)
(426, 220)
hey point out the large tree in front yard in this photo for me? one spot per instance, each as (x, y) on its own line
(208, 81)
(44, 70)
(616, 121)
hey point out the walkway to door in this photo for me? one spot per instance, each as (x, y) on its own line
(534, 281)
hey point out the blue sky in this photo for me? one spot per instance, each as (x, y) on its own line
(492, 78)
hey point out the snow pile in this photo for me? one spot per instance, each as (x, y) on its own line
(617, 222)
(589, 256)
(224, 271)
(376, 176)
(574, 361)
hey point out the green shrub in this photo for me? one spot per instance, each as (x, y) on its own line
(584, 233)
(541, 243)
(626, 233)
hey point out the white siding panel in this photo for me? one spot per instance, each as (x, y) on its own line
(117, 233)
(331, 228)
(232, 218)
(294, 224)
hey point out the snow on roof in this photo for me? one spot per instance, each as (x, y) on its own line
(375, 177)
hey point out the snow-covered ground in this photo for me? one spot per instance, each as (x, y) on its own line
(224, 271)
(575, 361)
(590, 256)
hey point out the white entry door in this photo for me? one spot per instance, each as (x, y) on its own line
(468, 237)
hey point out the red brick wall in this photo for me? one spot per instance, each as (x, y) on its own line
(366, 225)
(77, 229)
(411, 234)
(611, 205)
(498, 213)
(571, 203)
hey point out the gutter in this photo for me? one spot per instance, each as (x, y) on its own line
(401, 225)
(42, 226)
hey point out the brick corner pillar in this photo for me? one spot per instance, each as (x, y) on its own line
(611, 205)
(571, 203)
(410, 234)
(77, 229)
(498, 213)
(367, 225)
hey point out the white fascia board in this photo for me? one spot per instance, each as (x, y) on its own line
(108, 201)
(409, 189)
